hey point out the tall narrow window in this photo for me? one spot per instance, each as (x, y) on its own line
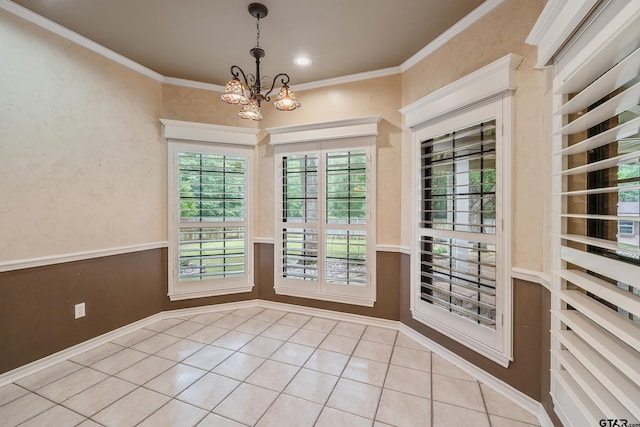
(209, 212)
(212, 214)
(460, 254)
(458, 272)
(461, 275)
(325, 228)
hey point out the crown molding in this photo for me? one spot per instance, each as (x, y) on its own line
(76, 38)
(193, 131)
(474, 16)
(174, 81)
(347, 79)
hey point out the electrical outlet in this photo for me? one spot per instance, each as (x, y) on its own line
(79, 310)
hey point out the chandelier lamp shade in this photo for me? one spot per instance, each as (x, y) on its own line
(246, 89)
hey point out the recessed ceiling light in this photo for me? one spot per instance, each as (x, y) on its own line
(303, 61)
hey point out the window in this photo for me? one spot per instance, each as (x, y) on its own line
(458, 176)
(596, 195)
(461, 255)
(325, 227)
(209, 211)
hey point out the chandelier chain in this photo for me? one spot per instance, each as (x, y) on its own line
(258, 31)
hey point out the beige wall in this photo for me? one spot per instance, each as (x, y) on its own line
(82, 161)
(500, 32)
(201, 106)
(379, 96)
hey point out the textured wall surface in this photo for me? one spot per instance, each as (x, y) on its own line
(500, 32)
(82, 161)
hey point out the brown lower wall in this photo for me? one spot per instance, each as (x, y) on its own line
(37, 306)
(387, 287)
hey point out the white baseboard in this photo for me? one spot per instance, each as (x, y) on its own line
(68, 353)
(526, 402)
(346, 317)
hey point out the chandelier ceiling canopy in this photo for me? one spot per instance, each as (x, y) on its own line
(248, 91)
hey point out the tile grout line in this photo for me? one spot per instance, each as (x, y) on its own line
(282, 391)
(484, 403)
(339, 376)
(138, 386)
(431, 385)
(375, 415)
(205, 345)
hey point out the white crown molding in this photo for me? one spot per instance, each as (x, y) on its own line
(192, 131)
(490, 80)
(21, 264)
(174, 81)
(557, 22)
(76, 38)
(347, 79)
(475, 15)
(349, 128)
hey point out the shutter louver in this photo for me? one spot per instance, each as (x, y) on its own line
(598, 360)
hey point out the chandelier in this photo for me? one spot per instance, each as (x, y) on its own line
(248, 91)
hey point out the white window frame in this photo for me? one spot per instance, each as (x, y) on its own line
(320, 138)
(214, 139)
(479, 97)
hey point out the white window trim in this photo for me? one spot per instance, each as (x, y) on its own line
(485, 91)
(351, 133)
(227, 140)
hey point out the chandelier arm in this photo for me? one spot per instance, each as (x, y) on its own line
(284, 81)
(237, 73)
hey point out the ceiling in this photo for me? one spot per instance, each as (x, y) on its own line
(200, 39)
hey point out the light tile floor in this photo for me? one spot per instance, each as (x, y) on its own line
(257, 367)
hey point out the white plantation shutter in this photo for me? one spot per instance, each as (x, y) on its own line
(209, 211)
(458, 267)
(346, 214)
(300, 216)
(461, 282)
(325, 245)
(596, 298)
